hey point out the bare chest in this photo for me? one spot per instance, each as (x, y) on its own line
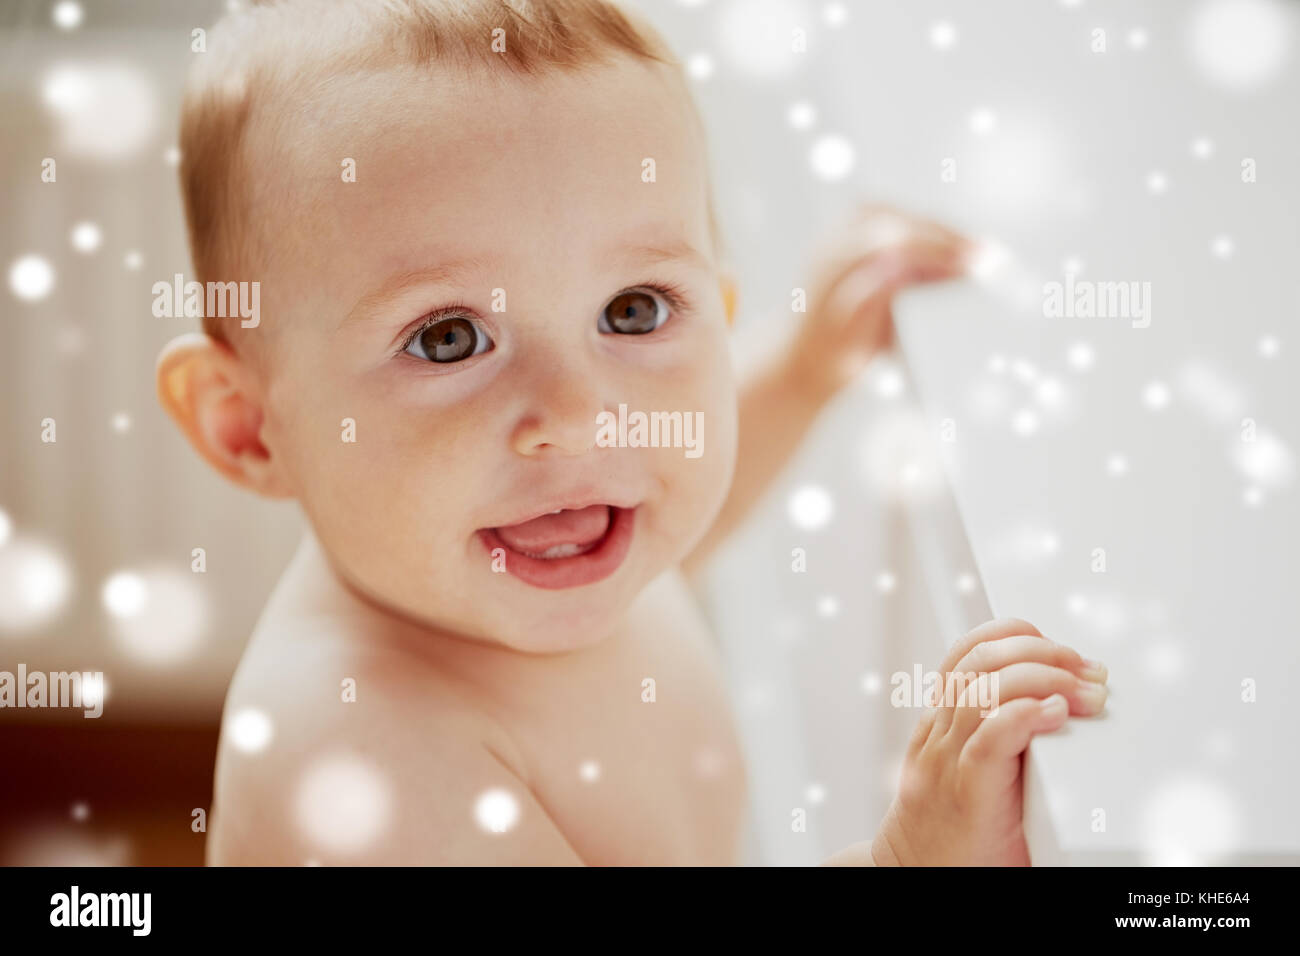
(634, 751)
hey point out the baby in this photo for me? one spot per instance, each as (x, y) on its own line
(479, 229)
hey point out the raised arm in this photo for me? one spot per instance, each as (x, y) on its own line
(848, 321)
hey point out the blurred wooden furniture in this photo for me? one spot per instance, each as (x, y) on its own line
(79, 791)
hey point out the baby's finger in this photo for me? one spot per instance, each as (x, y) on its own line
(1025, 679)
(921, 260)
(880, 236)
(865, 287)
(987, 764)
(990, 631)
(877, 276)
(884, 212)
(938, 233)
(920, 734)
(989, 656)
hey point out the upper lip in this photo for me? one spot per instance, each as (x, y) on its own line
(566, 503)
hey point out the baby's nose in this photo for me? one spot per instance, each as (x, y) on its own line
(561, 418)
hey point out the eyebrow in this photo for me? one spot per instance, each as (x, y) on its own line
(677, 250)
(399, 283)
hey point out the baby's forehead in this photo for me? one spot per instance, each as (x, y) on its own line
(385, 163)
(406, 117)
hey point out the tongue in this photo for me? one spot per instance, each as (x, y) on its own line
(580, 529)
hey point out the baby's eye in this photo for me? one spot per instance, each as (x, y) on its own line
(452, 339)
(634, 312)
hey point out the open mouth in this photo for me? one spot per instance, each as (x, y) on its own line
(566, 548)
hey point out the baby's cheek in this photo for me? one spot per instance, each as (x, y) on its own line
(392, 526)
(718, 398)
(374, 494)
(700, 377)
(703, 472)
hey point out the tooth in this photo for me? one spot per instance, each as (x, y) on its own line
(557, 551)
(566, 550)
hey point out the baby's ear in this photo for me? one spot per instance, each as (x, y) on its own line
(209, 393)
(729, 292)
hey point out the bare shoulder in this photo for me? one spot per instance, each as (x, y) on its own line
(336, 750)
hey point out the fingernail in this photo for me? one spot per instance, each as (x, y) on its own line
(1094, 670)
(1055, 705)
(1091, 695)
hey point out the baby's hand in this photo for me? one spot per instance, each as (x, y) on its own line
(959, 798)
(854, 278)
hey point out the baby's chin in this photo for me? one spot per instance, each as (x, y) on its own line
(544, 621)
(558, 632)
(555, 601)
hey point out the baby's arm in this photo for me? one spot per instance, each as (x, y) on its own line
(960, 795)
(431, 823)
(855, 277)
(403, 776)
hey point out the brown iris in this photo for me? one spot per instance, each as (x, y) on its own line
(632, 313)
(449, 340)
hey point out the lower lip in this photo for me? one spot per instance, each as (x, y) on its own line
(555, 574)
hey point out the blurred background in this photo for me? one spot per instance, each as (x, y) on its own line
(1085, 135)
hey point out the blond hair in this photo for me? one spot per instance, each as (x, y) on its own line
(269, 50)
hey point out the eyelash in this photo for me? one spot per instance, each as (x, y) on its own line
(432, 319)
(673, 294)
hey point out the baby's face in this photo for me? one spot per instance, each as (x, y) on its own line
(498, 275)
